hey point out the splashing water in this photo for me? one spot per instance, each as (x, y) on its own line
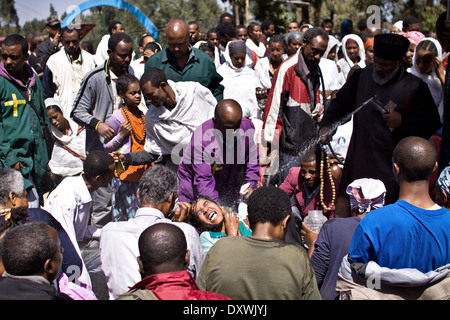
(318, 139)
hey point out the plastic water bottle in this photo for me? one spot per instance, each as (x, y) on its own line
(315, 220)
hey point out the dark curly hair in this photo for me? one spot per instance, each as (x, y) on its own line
(268, 204)
(194, 221)
(124, 81)
(25, 248)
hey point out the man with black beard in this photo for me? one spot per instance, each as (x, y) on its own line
(410, 111)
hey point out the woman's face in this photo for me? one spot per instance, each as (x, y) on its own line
(276, 50)
(255, 34)
(332, 53)
(208, 212)
(409, 55)
(56, 119)
(352, 51)
(424, 61)
(132, 97)
(293, 46)
(238, 59)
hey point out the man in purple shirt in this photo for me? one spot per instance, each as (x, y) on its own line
(221, 156)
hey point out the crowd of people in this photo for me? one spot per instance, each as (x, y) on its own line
(190, 170)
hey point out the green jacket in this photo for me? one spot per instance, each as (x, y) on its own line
(21, 136)
(199, 68)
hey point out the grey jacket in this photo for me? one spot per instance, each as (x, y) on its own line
(94, 103)
(369, 281)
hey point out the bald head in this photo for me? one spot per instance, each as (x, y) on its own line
(227, 115)
(415, 157)
(228, 109)
(177, 28)
(162, 248)
(177, 35)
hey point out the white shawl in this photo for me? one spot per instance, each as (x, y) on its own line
(345, 63)
(62, 161)
(240, 85)
(168, 128)
(431, 79)
(260, 50)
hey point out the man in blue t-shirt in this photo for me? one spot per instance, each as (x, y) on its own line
(413, 232)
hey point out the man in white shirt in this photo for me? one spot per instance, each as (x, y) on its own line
(119, 249)
(175, 110)
(65, 70)
(71, 202)
(101, 54)
(138, 65)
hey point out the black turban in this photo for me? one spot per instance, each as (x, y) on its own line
(390, 46)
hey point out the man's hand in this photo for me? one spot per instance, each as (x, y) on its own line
(106, 131)
(18, 166)
(261, 93)
(183, 212)
(117, 155)
(247, 195)
(326, 135)
(231, 222)
(310, 238)
(57, 39)
(393, 120)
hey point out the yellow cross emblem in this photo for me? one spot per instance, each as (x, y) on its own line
(14, 102)
(216, 168)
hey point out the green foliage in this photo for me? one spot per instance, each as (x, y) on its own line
(35, 25)
(275, 11)
(205, 12)
(430, 15)
(9, 21)
(391, 11)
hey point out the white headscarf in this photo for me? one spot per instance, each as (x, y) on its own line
(332, 41)
(431, 79)
(399, 25)
(63, 162)
(443, 181)
(345, 63)
(361, 54)
(366, 194)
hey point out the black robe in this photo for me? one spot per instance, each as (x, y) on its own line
(372, 143)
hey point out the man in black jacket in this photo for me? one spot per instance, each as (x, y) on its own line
(50, 45)
(409, 111)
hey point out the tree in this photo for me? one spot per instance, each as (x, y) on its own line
(205, 12)
(36, 26)
(275, 11)
(430, 15)
(52, 11)
(9, 21)
(391, 11)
